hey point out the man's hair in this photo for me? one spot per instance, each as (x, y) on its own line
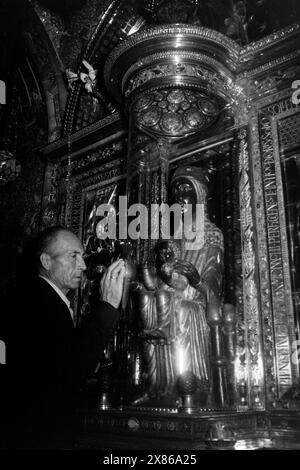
(43, 241)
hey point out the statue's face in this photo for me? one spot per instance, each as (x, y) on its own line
(183, 192)
(164, 254)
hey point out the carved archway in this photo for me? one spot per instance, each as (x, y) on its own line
(50, 71)
(118, 21)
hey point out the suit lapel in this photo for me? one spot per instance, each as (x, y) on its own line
(55, 303)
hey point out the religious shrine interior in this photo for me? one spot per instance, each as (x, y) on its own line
(111, 111)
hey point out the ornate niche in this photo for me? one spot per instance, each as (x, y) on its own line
(173, 98)
(218, 159)
(265, 330)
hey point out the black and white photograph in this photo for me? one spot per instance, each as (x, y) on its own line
(149, 228)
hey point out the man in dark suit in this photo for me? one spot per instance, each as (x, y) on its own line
(48, 357)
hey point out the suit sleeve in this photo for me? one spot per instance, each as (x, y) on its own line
(94, 334)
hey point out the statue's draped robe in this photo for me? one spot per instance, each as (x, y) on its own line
(175, 321)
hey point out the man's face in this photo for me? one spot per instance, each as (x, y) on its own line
(66, 263)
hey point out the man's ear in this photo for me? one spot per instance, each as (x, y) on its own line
(45, 261)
